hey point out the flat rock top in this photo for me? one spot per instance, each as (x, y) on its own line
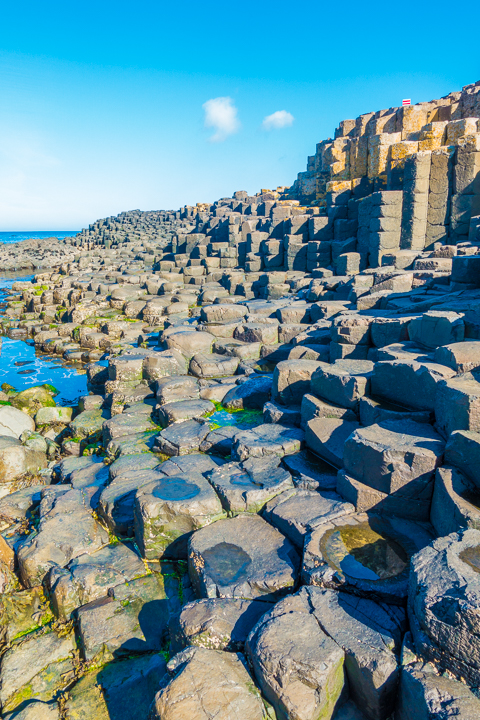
(242, 556)
(349, 367)
(402, 434)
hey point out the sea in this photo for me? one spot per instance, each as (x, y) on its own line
(13, 236)
(22, 366)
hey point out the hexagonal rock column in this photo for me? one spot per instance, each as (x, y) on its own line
(455, 502)
(265, 440)
(242, 557)
(298, 667)
(463, 451)
(207, 684)
(443, 602)
(182, 438)
(344, 382)
(457, 404)
(423, 694)
(181, 410)
(131, 620)
(244, 489)
(371, 634)
(89, 577)
(291, 380)
(205, 365)
(217, 623)
(326, 438)
(178, 387)
(296, 512)
(408, 382)
(67, 530)
(169, 509)
(396, 459)
(435, 328)
(460, 356)
(365, 554)
(251, 394)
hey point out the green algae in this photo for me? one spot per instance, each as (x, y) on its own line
(238, 417)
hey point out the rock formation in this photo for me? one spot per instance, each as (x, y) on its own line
(268, 505)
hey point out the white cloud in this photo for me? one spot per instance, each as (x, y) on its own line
(277, 120)
(221, 114)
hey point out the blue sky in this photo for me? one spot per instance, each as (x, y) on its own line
(101, 103)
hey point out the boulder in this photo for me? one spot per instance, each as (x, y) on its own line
(18, 506)
(53, 416)
(16, 459)
(14, 422)
(33, 398)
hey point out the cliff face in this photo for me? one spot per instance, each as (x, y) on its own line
(430, 152)
(386, 189)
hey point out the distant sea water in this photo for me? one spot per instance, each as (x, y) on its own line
(14, 236)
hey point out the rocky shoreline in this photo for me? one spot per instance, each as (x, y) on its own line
(268, 505)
